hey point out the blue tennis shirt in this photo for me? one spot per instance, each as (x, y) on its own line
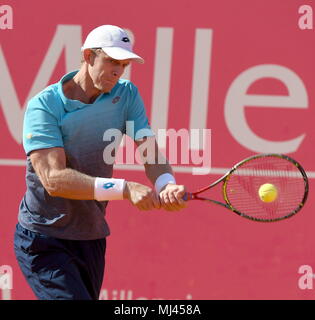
(52, 120)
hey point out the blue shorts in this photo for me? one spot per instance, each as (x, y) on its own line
(58, 269)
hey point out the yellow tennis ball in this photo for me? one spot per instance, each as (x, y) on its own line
(268, 192)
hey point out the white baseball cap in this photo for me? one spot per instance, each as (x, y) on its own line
(113, 40)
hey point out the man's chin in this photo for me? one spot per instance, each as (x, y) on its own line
(107, 89)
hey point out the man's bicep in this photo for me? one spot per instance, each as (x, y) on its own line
(46, 161)
(41, 128)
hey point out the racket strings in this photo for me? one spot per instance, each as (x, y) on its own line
(242, 188)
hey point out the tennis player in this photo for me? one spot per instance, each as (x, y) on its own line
(60, 238)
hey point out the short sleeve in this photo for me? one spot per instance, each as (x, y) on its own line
(40, 128)
(137, 125)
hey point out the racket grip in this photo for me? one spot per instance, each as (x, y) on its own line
(187, 196)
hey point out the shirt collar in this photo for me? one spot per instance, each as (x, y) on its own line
(69, 104)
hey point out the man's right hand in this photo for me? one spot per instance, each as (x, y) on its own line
(141, 196)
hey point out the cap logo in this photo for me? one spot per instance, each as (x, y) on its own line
(125, 39)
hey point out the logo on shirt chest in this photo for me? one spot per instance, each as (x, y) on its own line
(116, 99)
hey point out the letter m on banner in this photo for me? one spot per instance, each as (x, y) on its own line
(66, 37)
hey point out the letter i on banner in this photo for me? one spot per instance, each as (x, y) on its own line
(200, 83)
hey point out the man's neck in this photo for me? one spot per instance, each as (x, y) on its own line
(81, 88)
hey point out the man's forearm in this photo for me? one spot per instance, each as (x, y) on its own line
(155, 163)
(153, 171)
(70, 184)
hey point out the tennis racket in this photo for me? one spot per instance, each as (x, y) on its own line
(241, 188)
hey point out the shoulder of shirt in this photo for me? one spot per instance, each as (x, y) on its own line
(127, 89)
(124, 83)
(46, 96)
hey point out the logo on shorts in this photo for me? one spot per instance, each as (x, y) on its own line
(108, 185)
(116, 99)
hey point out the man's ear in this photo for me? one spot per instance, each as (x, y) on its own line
(89, 56)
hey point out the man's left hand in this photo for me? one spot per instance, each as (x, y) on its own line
(171, 197)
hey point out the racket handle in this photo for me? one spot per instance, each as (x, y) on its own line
(187, 196)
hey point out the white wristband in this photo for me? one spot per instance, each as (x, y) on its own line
(109, 189)
(163, 180)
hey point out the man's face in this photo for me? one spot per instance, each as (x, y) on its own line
(105, 71)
